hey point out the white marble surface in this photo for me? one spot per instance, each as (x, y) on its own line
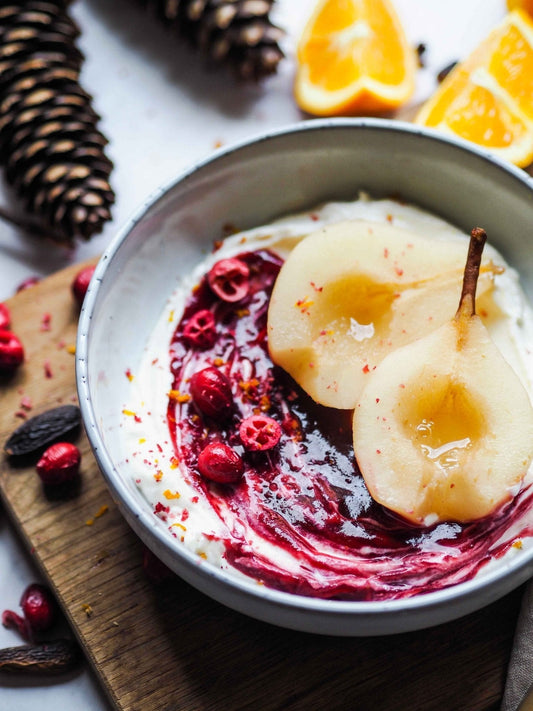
(162, 110)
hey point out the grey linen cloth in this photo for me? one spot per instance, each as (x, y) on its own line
(519, 683)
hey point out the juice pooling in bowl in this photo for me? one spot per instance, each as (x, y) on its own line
(299, 518)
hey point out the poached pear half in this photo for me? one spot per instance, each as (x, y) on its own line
(443, 429)
(351, 293)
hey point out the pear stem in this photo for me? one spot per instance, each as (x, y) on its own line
(467, 302)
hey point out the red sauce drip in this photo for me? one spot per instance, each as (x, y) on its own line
(306, 497)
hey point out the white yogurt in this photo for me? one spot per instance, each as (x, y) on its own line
(146, 440)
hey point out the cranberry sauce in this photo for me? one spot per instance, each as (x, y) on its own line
(300, 518)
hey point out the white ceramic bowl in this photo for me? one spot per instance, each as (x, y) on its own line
(248, 185)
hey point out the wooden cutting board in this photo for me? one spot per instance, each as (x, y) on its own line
(168, 647)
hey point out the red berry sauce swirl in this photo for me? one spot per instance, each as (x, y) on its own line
(299, 517)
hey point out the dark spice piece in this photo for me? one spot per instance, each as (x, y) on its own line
(421, 49)
(56, 657)
(441, 76)
(42, 430)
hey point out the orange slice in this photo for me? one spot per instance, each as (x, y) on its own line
(526, 5)
(488, 98)
(353, 58)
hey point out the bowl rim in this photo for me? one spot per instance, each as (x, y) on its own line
(129, 502)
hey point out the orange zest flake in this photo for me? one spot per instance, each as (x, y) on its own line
(177, 396)
(264, 403)
(158, 475)
(171, 494)
(129, 413)
(129, 375)
(202, 555)
(178, 525)
(304, 304)
(71, 348)
(101, 511)
(240, 313)
(218, 361)
(518, 543)
(174, 462)
(142, 440)
(248, 386)
(171, 316)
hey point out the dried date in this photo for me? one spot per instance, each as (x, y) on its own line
(42, 430)
(55, 657)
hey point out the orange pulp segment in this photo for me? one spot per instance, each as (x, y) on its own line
(353, 58)
(526, 5)
(488, 98)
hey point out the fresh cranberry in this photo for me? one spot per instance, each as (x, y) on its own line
(219, 462)
(5, 317)
(39, 609)
(259, 433)
(229, 279)
(59, 463)
(81, 283)
(11, 352)
(211, 393)
(27, 283)
(200, 330)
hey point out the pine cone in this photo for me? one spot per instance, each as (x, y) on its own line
(238, 33)
(49, 141)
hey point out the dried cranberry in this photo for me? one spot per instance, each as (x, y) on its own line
(200, 330)
(211, 393)
(259, 433)
(81, 283)
(13, 621)
(11, 352)
(27, 283)
(219, 462)
(229, 279)
(60, 463)
(5, 317)
(40, 611)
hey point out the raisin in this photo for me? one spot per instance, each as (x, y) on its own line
(42, 430)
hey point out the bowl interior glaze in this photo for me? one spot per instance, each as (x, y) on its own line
(248, 185)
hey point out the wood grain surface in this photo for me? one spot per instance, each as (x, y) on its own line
(167, 647)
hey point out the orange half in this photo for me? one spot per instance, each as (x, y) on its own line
(488, 98)
(353, 58)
